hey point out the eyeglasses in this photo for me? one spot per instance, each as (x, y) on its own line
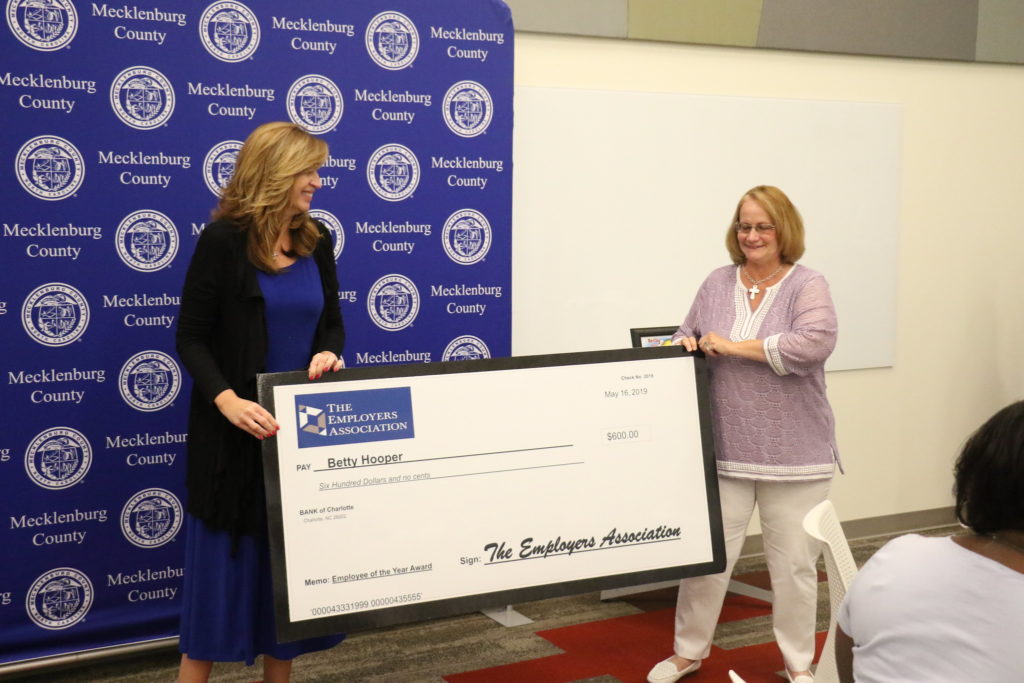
(745, 228)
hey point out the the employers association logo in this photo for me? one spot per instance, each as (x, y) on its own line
(58, 458)
(151, 518)
(467, 347)
(392, 40)
(393, 302)
(146, 241)
(229, 31)
(468, 109)
(219, 165)
(142, 98)
(50, 167)
(334, 227)
(44, 25)
(393, 172)
(149, 381)
(466, 236)
(312, 420)
(55, 314)
(315, 103)
(335, 418)
(59, 598)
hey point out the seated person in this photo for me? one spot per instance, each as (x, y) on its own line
(949, 608)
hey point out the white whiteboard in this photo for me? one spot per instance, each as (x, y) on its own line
(621, 201)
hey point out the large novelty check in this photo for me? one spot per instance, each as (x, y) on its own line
(409, 492)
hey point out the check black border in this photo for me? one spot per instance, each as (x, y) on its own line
(390, 616)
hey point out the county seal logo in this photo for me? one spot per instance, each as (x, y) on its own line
(44, 25)
(393, 302)
(59, 598)
(149, 381)
(392, 40)
(55, 314)
(50, 167)
(467, 347)
(219, 165)
(466, 236)
(229, 31)
(333, 226)
(315, 103)
(312, 420)
(146, 241)
(151, 518)
(467, 109)
(393, 172)
(142, 97)
(58, 458)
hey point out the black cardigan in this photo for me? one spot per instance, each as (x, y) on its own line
(222, 341)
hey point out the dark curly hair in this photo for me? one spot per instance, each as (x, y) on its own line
(989, 474)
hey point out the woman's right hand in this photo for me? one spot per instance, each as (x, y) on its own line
(688, 343)
(248, 416)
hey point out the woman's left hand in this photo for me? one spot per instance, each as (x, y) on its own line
(325, 361)
(714, 345)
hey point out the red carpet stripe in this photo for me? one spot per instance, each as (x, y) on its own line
(627, 647)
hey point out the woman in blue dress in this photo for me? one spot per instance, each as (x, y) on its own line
(260, 295)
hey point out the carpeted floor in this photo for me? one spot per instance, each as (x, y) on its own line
(576, 639)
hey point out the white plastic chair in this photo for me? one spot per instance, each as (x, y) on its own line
(821, 523)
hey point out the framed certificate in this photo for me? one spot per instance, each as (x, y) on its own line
(645, 337)
(403, 493)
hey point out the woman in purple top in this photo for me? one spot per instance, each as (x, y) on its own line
(766, 326)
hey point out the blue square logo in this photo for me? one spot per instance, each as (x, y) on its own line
(343, 417)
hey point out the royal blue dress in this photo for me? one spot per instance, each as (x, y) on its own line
(228, 601)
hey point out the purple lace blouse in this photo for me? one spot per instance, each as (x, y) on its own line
(771, 420)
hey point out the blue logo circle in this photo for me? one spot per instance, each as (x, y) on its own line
(466, 347)
(55, 314)
(229, 31)
(58, 458)
(333, 226)
(393, 302)
(151, 518)
(44, 25)
(392, 40)
(146, 241)
(467, 109)
(142, 97)
(219, 165)
(393, 172)
(315, 103)
(149, 381)
(466, 237)
(60, 598)
(50, 167)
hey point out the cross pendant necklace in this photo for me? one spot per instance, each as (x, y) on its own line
(754, 289)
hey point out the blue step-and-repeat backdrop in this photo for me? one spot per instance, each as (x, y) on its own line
(121, 124)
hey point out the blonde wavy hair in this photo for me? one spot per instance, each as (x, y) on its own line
(789, 226)
(259, 193)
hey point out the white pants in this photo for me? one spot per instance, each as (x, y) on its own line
(791, 556)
